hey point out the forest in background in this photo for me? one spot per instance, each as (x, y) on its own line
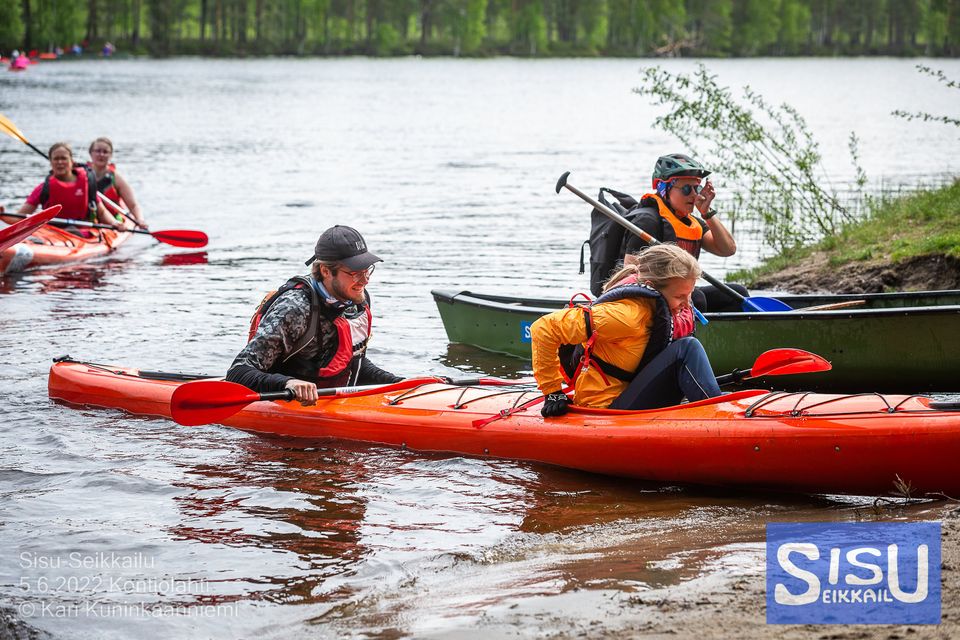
(711, 28)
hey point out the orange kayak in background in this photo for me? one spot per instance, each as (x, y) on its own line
(867, 444)
(51, 246)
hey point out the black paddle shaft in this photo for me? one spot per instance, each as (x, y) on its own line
(63, 222)
(286, 394)
(637, 231)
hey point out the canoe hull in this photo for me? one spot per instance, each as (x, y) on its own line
(855, 446)
(894, 342)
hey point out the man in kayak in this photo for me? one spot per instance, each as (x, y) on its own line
(636, 349)
(667, 215)
(313, 331)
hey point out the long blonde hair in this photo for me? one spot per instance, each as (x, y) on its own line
(658, 265)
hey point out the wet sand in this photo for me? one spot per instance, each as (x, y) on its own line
(726, 601)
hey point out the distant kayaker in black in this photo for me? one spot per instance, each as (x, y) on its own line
(667, 215)
(313, 332)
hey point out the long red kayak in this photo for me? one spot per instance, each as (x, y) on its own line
(866, 444)
(51, 246)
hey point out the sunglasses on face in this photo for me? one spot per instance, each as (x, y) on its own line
(687, 189)
(359, 276)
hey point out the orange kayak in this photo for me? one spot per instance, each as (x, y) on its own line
(865, 444)
(51, 246)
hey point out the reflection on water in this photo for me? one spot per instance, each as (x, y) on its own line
(448, 169)
(182, 259)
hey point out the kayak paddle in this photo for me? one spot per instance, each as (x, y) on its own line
(779, 362)
(191, 238)
(753, 303)
(212, 401)
(20, 230)
(11, 130)
(175, 237)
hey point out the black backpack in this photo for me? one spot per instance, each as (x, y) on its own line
(607, 239)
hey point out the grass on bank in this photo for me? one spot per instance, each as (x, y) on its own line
(894, 229)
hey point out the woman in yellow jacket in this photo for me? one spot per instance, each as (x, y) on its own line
(636, 349)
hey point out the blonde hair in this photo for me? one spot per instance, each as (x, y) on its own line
(658, 264)
(104, 140)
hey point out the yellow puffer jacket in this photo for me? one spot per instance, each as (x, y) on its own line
(622, 328)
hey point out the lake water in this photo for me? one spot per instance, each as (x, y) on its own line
(448, 168)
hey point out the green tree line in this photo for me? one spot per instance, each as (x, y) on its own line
(488, 27)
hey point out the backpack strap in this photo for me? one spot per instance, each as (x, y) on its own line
(45, 191)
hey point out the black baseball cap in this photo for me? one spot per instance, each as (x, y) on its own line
(344, 245)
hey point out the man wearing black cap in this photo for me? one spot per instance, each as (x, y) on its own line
(314, 331)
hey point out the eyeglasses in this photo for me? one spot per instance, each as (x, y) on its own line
(359, 276)
(687, 189)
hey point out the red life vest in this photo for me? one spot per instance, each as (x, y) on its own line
(328, 369)
(78, 198)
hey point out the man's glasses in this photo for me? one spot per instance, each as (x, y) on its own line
(687, 189)
(359, 276)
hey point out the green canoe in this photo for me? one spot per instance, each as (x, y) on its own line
(888, 342)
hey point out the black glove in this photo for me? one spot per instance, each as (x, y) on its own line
(556, 404)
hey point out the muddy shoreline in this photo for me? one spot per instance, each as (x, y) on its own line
(816, 275)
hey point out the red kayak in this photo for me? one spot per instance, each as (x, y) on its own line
(51, 246)
(866, 444)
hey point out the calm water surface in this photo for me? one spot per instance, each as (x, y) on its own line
(448, 169)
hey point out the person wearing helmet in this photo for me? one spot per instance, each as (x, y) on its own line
(668, 215)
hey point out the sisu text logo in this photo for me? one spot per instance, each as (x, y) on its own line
(525, 332)
(853, 573)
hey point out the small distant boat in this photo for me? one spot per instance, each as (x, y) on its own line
(20, 63)
(891, 342)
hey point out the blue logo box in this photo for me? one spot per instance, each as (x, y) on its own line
(525, 332)
(853, 573)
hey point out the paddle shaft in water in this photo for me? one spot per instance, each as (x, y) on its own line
(751, 303)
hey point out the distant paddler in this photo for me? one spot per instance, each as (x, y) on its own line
(109, 181)
(73, 187)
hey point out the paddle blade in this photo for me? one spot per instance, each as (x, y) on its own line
(759, 303)
(209, 401)
(182, 238)
(19, 230)
(779, 362)
(11, 129)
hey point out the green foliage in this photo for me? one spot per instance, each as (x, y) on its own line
(794, 26)
(483, 27)
(387, 40)
(766, 151)
(923, 223)
(758, 24)
(11, 27)
(926, 117)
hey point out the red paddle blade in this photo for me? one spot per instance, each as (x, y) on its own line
(779, 362)
(209, 401)
(19, 230)
(181, 237)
